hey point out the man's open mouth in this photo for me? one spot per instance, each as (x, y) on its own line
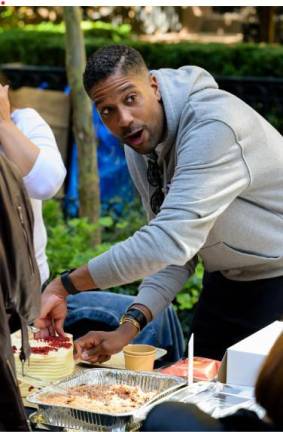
(135, 137)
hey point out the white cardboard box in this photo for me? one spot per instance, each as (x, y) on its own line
(242, 361)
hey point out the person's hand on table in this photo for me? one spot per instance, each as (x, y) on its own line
(53, 310)
(98, 346)
(53, 302)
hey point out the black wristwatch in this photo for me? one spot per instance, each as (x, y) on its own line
(67, 283)
(137, 315)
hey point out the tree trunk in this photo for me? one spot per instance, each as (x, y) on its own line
(82, 119)
(266, 15)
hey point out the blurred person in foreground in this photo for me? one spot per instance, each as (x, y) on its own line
(209, 170)
(178, 416)
(28, 142)
(31, 170)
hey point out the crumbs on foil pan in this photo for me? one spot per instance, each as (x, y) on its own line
(157, 385)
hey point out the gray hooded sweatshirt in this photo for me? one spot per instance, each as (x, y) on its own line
(223, 177)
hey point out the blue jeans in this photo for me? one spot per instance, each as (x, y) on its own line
(102, 310)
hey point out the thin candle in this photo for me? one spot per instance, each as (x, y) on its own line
(191, 360)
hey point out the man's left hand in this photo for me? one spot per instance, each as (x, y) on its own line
(53, 310)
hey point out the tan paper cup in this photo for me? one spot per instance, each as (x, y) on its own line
(139, 357)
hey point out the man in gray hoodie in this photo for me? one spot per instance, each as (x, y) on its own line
(209, 170)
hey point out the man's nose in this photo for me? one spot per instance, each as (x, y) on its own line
(125, 118)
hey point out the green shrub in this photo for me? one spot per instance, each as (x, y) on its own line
(68, 241)
(92, 29)
(46, 41)
(188, 297)
(124, 223)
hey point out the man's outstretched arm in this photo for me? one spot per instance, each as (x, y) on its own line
(54, 307)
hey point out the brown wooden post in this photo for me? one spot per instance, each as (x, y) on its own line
(266, 15)
(82, 118)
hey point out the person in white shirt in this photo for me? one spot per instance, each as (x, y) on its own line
(27, 141)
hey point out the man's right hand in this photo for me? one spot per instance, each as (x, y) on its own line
(98, 346)
(53, 310)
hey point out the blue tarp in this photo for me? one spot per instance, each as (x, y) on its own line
(114, 176)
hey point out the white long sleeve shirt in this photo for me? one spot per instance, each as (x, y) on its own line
(44, 179)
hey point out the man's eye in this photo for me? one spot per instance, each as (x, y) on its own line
(130, 99)
(105, 112)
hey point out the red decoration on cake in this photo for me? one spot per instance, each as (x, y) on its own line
(54, 343)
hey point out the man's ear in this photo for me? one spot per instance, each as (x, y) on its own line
(154, 85)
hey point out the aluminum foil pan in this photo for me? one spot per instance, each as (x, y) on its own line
(67, 417)
(214, 398)
(38, 421)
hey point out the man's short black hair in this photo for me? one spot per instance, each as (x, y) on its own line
(110, 59)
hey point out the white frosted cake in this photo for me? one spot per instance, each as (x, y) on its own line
(51, 359)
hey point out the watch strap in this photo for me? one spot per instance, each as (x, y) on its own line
(137, 315)
(67, 283)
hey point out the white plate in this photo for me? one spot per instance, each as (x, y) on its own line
(117, 361)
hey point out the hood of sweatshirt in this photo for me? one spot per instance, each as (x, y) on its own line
(177, 86)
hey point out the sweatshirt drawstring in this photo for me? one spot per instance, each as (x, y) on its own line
(164, 188)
